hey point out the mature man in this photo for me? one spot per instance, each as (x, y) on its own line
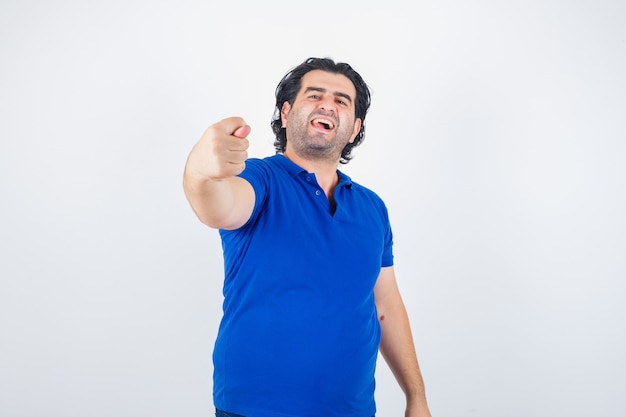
(310, 294)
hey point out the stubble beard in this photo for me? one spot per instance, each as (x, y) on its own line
(315, 146)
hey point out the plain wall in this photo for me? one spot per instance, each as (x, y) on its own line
(497, 137)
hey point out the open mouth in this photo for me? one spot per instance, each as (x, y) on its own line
(324, 123)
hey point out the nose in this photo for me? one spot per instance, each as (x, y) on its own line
(328, 103)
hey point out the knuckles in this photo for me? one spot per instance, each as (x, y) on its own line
(224, 154)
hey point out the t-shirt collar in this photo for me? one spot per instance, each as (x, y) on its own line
(296, 170)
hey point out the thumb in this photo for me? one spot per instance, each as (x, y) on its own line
(242, 132)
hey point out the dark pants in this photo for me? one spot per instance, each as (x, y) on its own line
(220, 413)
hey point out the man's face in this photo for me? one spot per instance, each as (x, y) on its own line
(321, 120)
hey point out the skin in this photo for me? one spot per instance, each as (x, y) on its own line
(328, 97)
(220, 199)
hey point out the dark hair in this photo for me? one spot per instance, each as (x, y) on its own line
(289, 86)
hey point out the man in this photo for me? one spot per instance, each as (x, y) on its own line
(310, 294)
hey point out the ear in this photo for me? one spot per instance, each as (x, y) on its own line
(355, 130)
(284, 112)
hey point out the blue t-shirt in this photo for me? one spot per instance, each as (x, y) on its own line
(300, 333)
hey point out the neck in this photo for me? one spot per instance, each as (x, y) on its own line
(325, 171)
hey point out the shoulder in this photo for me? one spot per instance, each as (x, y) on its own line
(268, 164)
(258, 169)
(363, 200)
(366, 193)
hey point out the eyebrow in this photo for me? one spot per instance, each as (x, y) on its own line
(323, 90)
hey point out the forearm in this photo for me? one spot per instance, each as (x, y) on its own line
(211, 200)
(398, 350)
(217, 195)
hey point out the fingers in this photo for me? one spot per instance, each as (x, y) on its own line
(236, 140)
(225, 148)
(235, 126)
(242, 132)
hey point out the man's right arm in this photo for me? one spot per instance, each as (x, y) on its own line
(217, 195)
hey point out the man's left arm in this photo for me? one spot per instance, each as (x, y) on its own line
(396, 344)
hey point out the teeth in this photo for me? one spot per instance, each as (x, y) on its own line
(327, 123)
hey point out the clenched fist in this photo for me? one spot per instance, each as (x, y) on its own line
(221, 152)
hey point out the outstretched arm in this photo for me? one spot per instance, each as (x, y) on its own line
(219, 198)
(396, 344)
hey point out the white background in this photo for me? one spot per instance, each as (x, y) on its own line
(497, 137)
